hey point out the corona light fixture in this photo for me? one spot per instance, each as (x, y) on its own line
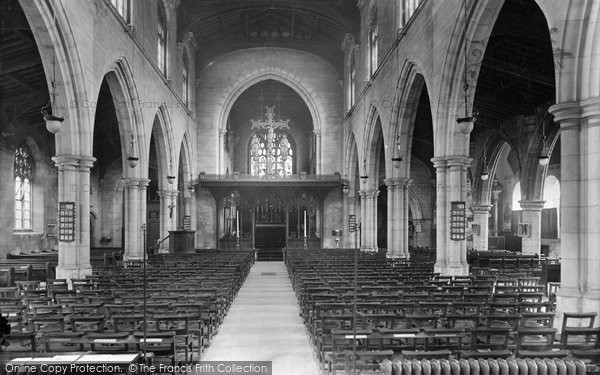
(170, 176)
(543, 158)
(132, 158)
(467, 122)
(485, 175)
(396, 161)
(53, 121)
(364, 178)
(345, 187)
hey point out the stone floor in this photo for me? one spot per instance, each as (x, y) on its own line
(263, 324)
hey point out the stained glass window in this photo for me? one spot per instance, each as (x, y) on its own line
(275, 158)
(162, 39)
(23, 174)
(373, 44)
(122, 7)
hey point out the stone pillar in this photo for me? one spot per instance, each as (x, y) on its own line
(347, 240)
(402, 207)
(398, 217)
(168, 214)
(572, 233)
(481, 214)
(451, 186)
(141, 218)
(221, 162)
(85, 165)
(392, 219)
(368, 220)
(318, 153)
(532, 215)
(442, 210)
(591, 135)
(192, 209)
(133, 246)
(73, 186)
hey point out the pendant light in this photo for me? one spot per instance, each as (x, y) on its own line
(467, 122)
(53, 121)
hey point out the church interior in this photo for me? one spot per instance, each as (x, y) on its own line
(300, 186)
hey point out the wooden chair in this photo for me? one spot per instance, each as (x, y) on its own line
(489, 343)
(62, 341)
(111, 342)
(159, 346)
(584, 342)
(87, 322)
(537, 343)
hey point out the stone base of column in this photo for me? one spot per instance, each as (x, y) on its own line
(567, 300)
(369, 250)
(392, 255)
(133, 257)
(591, 303)
(71, 272)
(452, 270)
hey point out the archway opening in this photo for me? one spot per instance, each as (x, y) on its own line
(106, 195)
(421, 228)
(270, 132)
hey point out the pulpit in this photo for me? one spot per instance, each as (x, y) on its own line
(181, 241)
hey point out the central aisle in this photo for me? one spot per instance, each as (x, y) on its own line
(263, 324)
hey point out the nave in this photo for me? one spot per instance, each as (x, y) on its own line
(264, 324)
(319, 312)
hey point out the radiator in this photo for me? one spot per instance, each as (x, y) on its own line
(517, 366)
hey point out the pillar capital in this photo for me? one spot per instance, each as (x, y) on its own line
(452, 162)
(482, 209)
(73, 161)
(439, 162)
(590, 109)
(568, 115)
(142, 182)
(532, 205)
(369, 193)
(167, 193)
(398, 181)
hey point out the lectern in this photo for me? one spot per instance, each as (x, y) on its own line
(181, 241)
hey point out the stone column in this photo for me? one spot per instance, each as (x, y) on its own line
(442, 210)
(532, 215)
(168, 214)
(141, 217)
(318, 153)
(73, 186)
(452, 186)
(481, 214)
(221, 162)
(392, 219)
(85, 165)
(402, 207)
(192, 209)
(133, 246)
(347, 240)
(591, 135)
(368, 220)
(570, 295)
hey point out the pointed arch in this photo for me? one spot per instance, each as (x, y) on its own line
(129, 115)
(404, 112)
(74, 137)
(163, 138)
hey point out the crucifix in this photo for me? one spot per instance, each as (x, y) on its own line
(171, 207)
(270, 124)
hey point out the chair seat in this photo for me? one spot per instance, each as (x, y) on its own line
(495, 354)
(542, 354)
